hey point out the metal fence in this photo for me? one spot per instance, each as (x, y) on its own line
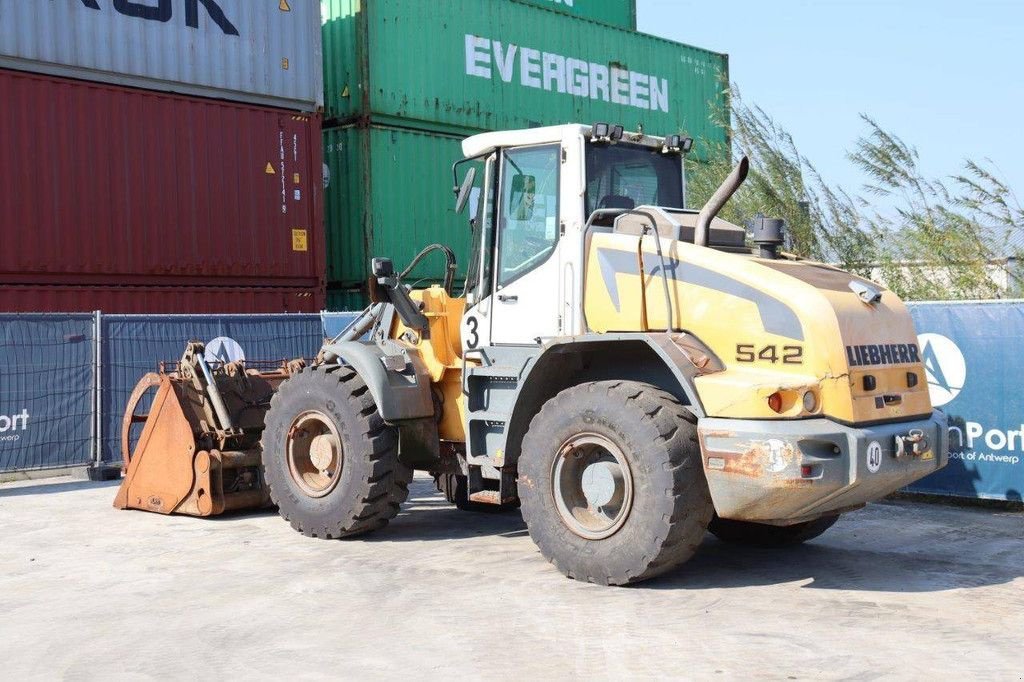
(64, 381)
(47, 391)
(334, 323)
(132, 345)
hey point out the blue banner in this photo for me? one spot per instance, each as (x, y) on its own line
(335, 323)
(972, 355)
(46, 391)
(135, 344)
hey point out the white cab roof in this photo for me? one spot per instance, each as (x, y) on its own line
(485, 143)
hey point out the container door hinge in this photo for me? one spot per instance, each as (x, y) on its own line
(565, 154)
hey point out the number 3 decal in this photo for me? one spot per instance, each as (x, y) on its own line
(474, 325)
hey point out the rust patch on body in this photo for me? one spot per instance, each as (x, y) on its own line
(759, 459)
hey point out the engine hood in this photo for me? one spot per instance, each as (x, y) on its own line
(775, 325)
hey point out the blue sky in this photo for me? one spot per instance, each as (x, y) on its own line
(947, 77)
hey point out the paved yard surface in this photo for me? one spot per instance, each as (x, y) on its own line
(899, 590)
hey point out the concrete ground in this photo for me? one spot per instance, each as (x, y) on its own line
(898, 590)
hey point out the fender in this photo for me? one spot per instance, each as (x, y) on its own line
(675, 359)
(401, 393)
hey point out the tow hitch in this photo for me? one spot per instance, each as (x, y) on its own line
(914, 444)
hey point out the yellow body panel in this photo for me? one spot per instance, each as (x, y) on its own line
(754, 315)
(442, 355)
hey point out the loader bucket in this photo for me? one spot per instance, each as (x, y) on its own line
(198, 451)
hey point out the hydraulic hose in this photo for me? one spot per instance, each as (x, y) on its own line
(450, 264)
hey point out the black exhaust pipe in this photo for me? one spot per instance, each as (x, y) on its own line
(718, 200)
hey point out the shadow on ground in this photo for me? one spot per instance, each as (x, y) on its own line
(950, 549)
(49, 488)
(842, 559)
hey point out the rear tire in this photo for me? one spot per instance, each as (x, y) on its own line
(330, 462)
(764, 535)
(646, 507)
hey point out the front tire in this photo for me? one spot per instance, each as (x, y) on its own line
(330, 462)
(764, 535)
(611, 483)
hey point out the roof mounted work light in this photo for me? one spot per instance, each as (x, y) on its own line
(676, 144)
(604, 132)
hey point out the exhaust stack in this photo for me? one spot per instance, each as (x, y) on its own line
(718, 200)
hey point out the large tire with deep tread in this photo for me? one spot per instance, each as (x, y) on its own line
(764, 535)
(455, 489)
(372, 483)
(671, 505)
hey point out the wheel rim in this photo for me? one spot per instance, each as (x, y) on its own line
(592, 486)
(315, 455)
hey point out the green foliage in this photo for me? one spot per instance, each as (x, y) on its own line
(924, 238)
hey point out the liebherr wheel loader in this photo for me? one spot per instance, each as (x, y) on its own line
(632, 372)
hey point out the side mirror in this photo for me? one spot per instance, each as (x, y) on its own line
(462, 193)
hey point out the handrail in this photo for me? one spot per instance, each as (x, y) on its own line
(600, 213)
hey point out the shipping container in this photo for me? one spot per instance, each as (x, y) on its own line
(615, 12)
(265, 53)
(501, 64)
(346, 300)
(108, 185)
(390, 194)
(19, 298)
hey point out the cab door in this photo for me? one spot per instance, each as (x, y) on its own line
(526, 287)
(476, 322)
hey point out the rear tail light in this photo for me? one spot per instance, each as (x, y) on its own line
(870, 383)
(775, 402)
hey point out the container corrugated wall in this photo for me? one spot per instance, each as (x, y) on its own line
(390, 193)
(499, 64)
(106, 185)
(615, 12)
(265, 52)
(346, 300)
(161, 300)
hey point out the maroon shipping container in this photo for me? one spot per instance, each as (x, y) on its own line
(21, 298)
(103, 185)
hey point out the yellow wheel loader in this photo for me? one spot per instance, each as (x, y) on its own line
(632, 372)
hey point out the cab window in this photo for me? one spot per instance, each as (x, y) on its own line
(627, 175)
(529, 210)
(481, 207)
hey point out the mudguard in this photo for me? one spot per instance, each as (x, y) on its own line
(680, 358)
(398, 380)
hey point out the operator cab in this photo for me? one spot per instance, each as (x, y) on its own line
(537, 196)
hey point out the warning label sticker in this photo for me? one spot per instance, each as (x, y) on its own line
(300, 240)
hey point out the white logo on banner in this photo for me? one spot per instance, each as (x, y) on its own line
(10, 424)
(945, 367)
(224, 349)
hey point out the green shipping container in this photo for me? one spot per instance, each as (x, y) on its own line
(389, 194)
(346, 300)
(502, 64)
(615, 12)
